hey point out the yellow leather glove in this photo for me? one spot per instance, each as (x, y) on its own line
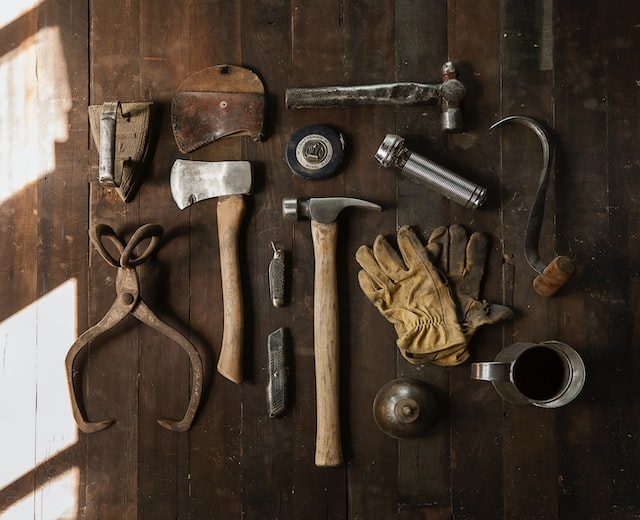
(462, 261)
(414, 296)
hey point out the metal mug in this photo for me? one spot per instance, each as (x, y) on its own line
(547, 374)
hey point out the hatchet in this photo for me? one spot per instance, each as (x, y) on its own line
(228, 181)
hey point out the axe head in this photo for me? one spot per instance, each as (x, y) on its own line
(193, 181)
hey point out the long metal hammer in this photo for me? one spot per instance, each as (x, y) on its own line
(449, 93)
(323, 213)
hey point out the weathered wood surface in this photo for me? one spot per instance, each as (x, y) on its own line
(570, 65)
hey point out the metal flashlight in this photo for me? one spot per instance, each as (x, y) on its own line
(393, 152)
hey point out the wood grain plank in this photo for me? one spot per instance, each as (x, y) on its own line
(622, 134)
(62, 257)
(113, 362)
(524, 48)
(268, 443)
(367, 359)
(424, 483)
(19, 272)
(317, 58)
(163, 456)
(475, 409)
(583, 225)
(213, 34)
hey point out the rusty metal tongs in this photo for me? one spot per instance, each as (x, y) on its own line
(128, 301)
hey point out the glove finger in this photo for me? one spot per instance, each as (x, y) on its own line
(434, 250)
(457, 250)
(371, 289)
(439, 240)
(480, 313)
(388, 259)
(477, 251)
(411, 249)
(364, 256)
(499, 312)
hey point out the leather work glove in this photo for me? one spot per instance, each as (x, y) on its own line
(414, 296)
(462, 261)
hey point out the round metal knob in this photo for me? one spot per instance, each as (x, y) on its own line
(405, 408)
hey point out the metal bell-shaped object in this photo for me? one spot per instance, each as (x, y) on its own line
(405, 408)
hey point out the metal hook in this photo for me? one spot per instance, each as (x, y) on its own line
(554, 275)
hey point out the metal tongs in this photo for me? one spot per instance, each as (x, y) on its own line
(128, 301)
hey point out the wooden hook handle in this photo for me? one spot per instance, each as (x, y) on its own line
(326, 345)
(554, 276)
(230, 212)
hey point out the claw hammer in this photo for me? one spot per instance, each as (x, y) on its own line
(323, 213)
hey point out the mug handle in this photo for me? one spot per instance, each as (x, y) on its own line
(491, 371)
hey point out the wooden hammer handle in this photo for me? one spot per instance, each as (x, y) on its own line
(230, 212)
(326, 345)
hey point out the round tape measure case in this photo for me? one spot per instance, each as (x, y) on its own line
(315, 152)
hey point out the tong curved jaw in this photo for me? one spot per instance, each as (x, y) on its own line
(128, 301)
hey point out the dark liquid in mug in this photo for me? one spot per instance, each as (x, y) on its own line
(539, 373)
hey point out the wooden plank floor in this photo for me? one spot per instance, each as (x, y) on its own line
(573, 65)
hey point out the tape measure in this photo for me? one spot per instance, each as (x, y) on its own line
(315, 152)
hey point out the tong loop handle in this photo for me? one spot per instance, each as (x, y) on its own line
(144, 232)
(99, 232)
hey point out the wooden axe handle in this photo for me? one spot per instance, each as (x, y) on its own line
(326, 345)
(230, 212)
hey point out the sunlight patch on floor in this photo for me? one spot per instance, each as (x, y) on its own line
(33, 383)
(34, 78)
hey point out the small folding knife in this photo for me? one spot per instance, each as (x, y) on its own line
(276, 276)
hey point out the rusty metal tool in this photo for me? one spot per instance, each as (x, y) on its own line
(122, 134)
(228, 181)
(129, 302)
(323, 213)
(449, 94)
(554, 275)
(215, 103)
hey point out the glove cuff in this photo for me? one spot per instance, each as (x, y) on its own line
(427, 337)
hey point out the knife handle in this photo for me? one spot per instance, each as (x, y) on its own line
(230, 211)
(277, 385)
(276, 276)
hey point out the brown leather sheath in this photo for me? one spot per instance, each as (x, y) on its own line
(217, 102)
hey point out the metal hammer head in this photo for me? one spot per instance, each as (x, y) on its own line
(322, 209)
(451, 93)
(193, 181)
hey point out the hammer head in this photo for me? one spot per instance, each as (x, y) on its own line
(451, 92)
(322, 209)
(193, 181)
